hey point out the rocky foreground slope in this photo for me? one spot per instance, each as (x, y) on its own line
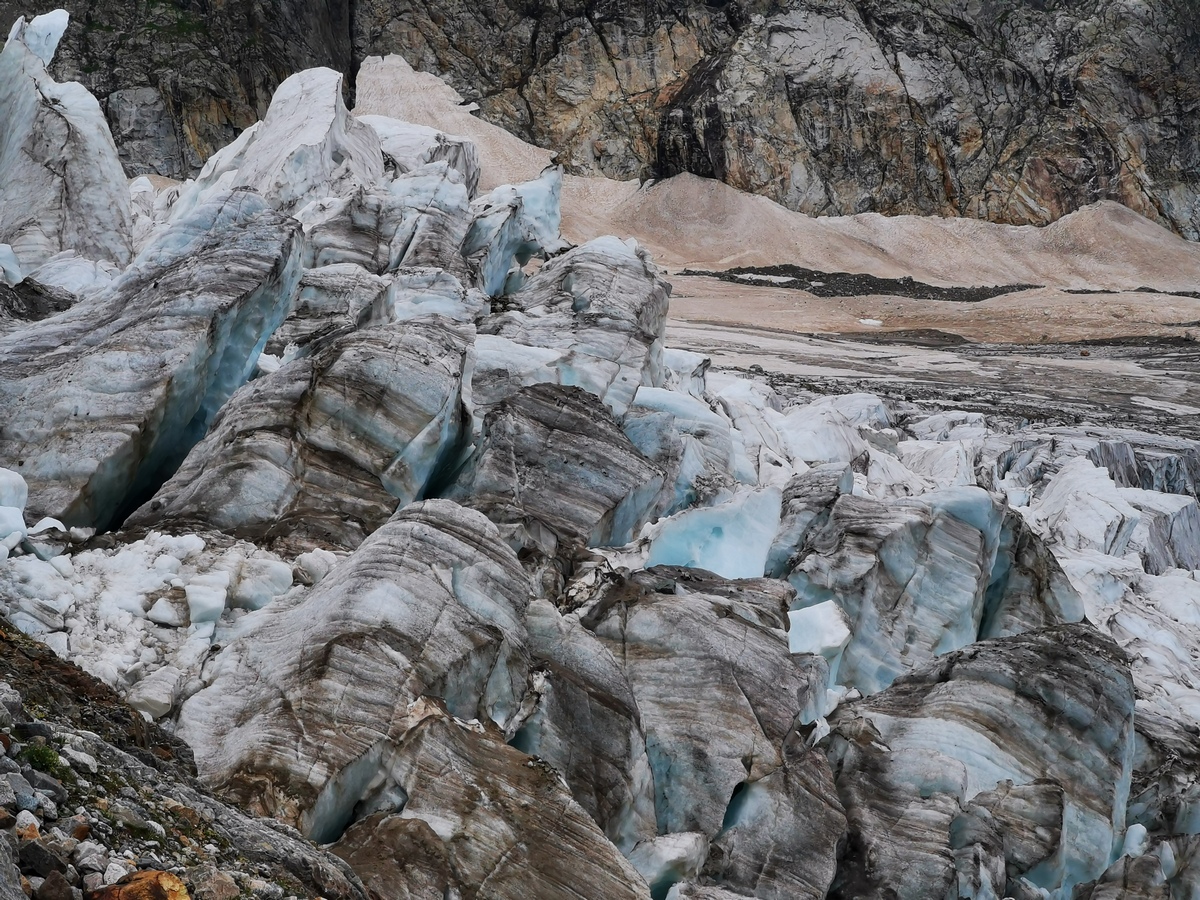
(1011, 111)
(397, 511)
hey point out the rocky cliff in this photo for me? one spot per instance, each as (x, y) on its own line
(1016, 111)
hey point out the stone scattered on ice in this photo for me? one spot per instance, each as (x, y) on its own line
(61, 183)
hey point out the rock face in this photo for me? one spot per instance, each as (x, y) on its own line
(828, 106)
(177, 84)
(1008, 114)
(837, 107)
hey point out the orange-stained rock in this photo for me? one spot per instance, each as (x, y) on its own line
(146, 885)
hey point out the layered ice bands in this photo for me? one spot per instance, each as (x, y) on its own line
(105, 399)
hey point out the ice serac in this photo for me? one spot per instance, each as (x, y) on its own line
(694, 444)
(594, 318)
(808, 499)
(325, 449)
(61, 184)
(917, 577)
(409, 146)
(460, 811)
(102, 402)
(732, 539)
(418, 219)
(330, 299)
(555, 472)
(587, 726)
(307, 147)
(946, 775)
(680, 634)
(309, 697)
(512, 225)
(780, 834)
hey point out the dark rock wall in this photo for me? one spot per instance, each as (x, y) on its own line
(1017, 111)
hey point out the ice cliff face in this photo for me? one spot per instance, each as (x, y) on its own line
(400, 512)
(1011, 112)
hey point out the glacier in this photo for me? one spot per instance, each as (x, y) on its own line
(397, 507)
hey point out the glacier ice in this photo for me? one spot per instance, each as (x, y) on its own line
(602, 306)
(409, 146)
(694, 444)
(133, 375)
(432, 603)
(557, 475)
(328, 325)
(291, 455)
(61, 184)
(1053, 707)
(512, 225)
(731, 539)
